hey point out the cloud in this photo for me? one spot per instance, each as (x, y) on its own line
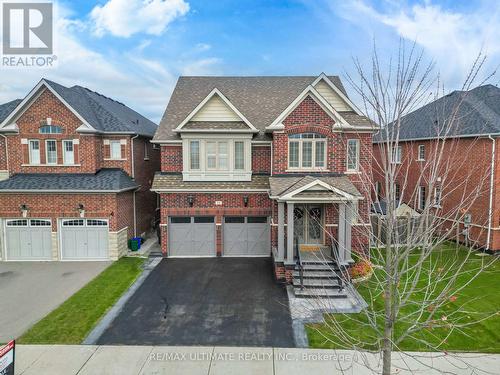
(124, 18)
(450, 37)
(208, 66)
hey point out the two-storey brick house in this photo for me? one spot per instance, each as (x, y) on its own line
(76, 170)
(457, 135)
(250, 164)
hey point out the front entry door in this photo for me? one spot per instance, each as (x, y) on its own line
(308, 224)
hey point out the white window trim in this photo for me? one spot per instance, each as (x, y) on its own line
(420, 189)
(206, 174)
(111, 142)
(357, 156)
(396, 155)
(30, 152)
(418, 153)
(47, 151)
(64, 151)
(300, 141)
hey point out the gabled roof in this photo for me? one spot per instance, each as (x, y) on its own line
(97, 112)
(260, 99)
(105, 180)
(310, 187)
(478, 114)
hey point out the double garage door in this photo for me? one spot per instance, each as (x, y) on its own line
(242, 236)
(79, 239)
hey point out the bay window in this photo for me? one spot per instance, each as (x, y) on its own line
(220, 158)
(307, 151)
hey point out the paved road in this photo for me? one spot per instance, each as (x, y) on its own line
(135, 360)
(207, 301)
(30, 290)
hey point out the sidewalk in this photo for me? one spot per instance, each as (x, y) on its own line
(134, 360)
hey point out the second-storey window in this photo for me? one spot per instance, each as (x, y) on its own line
(239, 155)
(51, 151)
(68, 152)
(34, 151)
(194, 155)
(217, 155)
(307, 151)
(396, 154)
(421, 152)
(115, 149)
(352, 154)
(421, 197)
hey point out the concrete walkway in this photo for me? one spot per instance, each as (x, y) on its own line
(134, 360)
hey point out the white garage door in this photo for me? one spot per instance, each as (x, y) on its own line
(191, 236)
(246, 236)
(28, 239)
(84, 239)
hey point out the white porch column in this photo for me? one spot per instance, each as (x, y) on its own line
(349, 214)
(281, 231)
(289, 233)
(342, 232)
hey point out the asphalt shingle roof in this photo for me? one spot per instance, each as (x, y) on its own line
(110, 180)
(281, 186)
(174, 181)
(260, 99)
(102, 113)
(7, 108)
(474, 112)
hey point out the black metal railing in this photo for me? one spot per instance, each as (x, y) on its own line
(342, 271)
(298, 262)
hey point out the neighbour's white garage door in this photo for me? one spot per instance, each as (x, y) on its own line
(191, 236)
(28, 239)
(246, 236)
(84, 239)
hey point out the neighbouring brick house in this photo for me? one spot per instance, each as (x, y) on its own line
(248, 164)
(76, 170)
(466, 125)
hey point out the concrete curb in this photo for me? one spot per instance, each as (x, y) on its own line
(111, 315)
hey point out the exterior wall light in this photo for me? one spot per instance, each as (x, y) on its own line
(190, 200)
(24, 210)
(81, 210)
(245, 200)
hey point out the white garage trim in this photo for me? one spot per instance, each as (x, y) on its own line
(86, 221)
(30, 223)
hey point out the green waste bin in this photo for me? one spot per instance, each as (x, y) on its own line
(133, 244)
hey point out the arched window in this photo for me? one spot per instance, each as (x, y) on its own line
(50, 129)
(307, 151)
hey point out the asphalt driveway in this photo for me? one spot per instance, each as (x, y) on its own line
(206, 301)
(30, 290)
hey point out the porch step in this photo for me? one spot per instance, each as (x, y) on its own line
(318, 293)
(320, 267)
(317, 283)
(322, 274)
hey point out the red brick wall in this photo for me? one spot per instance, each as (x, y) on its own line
(3, 155)
(261, 159)
(204, 204)
(171, 158)
(468, 162)
(115, 207)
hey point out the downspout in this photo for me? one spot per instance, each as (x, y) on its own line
(272, 151)
(133, 177)
(492, 181)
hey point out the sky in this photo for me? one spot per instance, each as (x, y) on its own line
(134, 50)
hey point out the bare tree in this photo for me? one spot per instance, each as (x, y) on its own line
(412, 293)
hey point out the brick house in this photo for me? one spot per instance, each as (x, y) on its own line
(250, 164)
(470, 153)
(76, 170)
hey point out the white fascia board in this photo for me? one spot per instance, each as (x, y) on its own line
(33, 93)
(443, 138)
(215, 91)
(166, 141)
(321, 183)
(325, 78)
(210, 190)
(11, 128)
(316, 96)
(225, 131)
(27, 191)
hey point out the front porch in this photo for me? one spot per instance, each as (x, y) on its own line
(313, 220)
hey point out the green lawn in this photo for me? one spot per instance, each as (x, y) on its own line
(71, 322)
(481, 298)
